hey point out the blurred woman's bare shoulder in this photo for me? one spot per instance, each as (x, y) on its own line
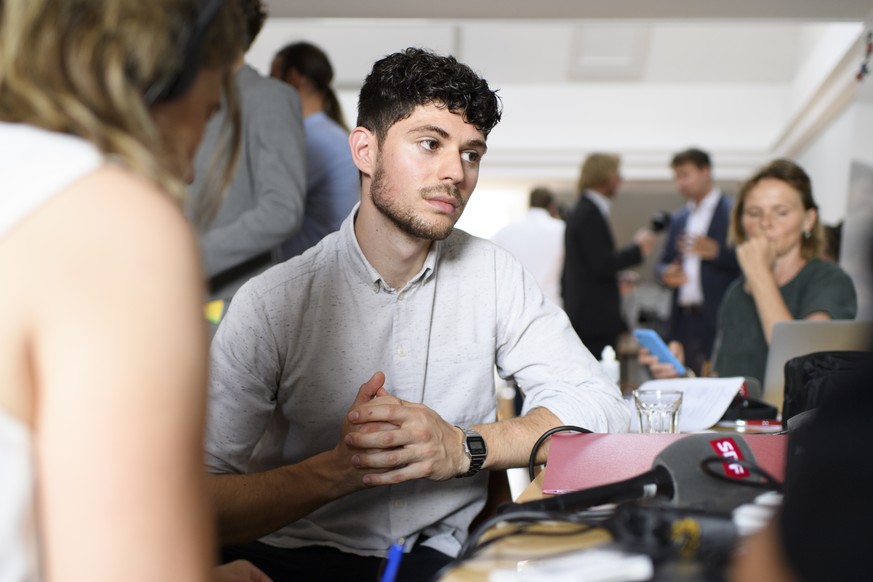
(126, 209)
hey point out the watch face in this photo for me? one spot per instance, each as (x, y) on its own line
(476, 445)
(475, 448)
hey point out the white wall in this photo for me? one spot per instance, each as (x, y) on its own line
(827, 160)
(824, 48)
(839, 160)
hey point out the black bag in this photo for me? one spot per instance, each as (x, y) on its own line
(809, 378)
(748, 406)
(744, 408)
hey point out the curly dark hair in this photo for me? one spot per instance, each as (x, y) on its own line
(404, 80)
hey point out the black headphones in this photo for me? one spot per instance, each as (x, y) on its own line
(181, 80)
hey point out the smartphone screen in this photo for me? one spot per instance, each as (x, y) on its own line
(650, 340)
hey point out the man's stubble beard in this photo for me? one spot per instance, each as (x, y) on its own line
(404, 218)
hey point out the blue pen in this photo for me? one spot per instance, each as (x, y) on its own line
(395, 554)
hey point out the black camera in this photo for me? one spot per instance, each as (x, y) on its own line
(660, 221)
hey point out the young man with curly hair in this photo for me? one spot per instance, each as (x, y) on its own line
(352, 384)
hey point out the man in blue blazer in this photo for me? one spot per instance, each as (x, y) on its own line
(697, 262)
(589, 283)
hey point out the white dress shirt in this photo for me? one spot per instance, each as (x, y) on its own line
(537, 240)
(300, 339)
(699, 217)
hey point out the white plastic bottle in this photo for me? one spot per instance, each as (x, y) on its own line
(610, 364)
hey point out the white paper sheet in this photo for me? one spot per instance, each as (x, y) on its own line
(704, 400)
(587, 565)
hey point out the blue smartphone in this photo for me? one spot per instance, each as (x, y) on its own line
(650, 340)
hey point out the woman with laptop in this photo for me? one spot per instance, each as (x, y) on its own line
(779, 239)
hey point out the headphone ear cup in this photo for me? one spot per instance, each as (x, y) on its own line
(179, 83)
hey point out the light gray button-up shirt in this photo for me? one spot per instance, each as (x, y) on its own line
(300, 339)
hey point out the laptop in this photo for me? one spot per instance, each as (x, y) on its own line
(800, 337)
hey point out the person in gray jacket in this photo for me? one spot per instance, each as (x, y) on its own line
(264, 205)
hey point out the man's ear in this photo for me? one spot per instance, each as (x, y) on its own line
(363, 144)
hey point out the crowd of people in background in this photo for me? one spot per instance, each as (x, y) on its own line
(734, 264)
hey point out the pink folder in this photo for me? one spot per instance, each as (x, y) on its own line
(579, 461)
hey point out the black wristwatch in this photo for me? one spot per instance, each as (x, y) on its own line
(475, 449)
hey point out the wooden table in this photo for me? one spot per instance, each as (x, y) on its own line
(517, 550)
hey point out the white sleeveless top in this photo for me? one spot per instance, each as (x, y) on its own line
(34, 166)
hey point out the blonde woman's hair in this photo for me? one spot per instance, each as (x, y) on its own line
(81, 67)
(597, 170)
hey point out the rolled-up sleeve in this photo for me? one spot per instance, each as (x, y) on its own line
(538, 348)
(243, 384)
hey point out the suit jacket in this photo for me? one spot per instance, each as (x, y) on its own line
(716, 274)
(264, 205)
(591, 263)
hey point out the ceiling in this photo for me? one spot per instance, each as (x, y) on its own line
(795, 10)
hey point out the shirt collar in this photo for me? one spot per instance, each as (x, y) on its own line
(539, 213)
(600, 201)
(708, 203)
(362, 268)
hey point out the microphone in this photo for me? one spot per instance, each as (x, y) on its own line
(677, 476)
(729, 484)
(643, 486)
(660, 221)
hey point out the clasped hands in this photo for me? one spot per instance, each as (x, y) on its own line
(385, 440)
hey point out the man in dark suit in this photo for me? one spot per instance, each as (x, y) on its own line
(697, 262)
(590, 278)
